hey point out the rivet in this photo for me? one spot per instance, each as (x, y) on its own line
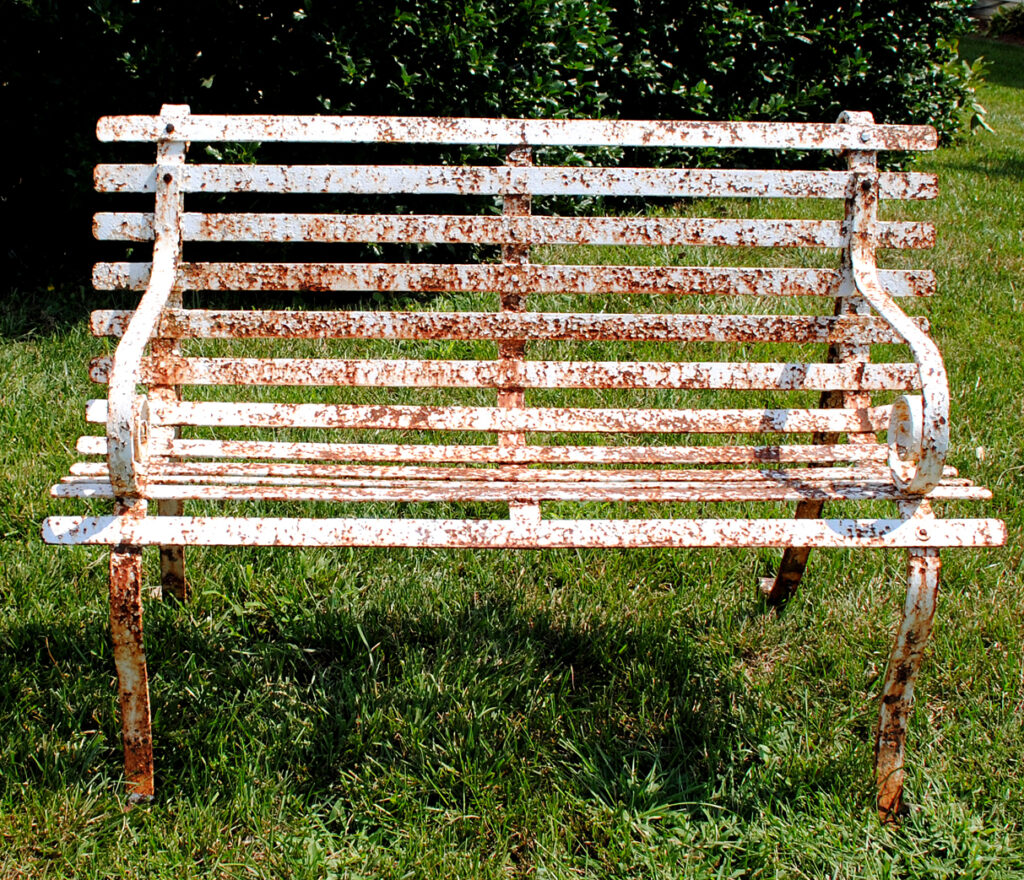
(170, 127)
(864, 137)
(865, 185)
(922, 533)
(167, 178)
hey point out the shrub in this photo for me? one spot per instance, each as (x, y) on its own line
(1008, 22)
(69, 62)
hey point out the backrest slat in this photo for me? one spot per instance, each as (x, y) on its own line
(276, 324)
(485, 180)
(463, 229)
(550, 279)
(536, 132)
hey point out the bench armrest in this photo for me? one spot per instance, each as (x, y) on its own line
(919, 426)
(128, 412)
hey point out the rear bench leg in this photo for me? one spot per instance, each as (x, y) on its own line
(898, 692)
(130, 660)
(779, 589)
(172, 558)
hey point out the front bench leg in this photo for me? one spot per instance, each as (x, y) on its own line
(130, 660)
(898, 691)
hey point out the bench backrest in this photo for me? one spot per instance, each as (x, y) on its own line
(467, 358)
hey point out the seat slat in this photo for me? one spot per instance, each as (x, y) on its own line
(528, 374)
(462, 229)
(278, 531)
(395, 490)
(273, 324)
(493, 419)
(174, 471)
(643, 455)
(523, 279)
(486, 180)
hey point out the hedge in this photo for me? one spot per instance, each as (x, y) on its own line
(69, 62)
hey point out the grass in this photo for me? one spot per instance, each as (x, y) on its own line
(557, 714)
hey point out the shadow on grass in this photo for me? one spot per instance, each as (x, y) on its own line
(996, 163)
(477, 706)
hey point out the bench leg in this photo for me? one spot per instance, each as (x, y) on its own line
(130, 660)
(898, 692)
(780, 589)
(172, 558)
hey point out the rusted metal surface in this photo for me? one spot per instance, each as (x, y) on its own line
(537, 132)
(305, 532)
(512, 491)
(163, 470)
(841, 458)
(532, 454)
(485, 180)
(130, 659)
(484, 418)
(917, 460)
(509, 229)
(847, 351)
(271, 324)
(509, 371)
(126, 426)
(439, 278)
(898, 691)
(173, 581)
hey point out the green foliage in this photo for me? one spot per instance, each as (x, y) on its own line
(1008, 22)
(68, 63)
(967, 77)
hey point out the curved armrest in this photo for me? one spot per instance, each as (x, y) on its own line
(919, 427)
(127, 412)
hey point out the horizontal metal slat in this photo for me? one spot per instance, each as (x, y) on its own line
(492, 419)
(171, 370)
(456, 229)
(441, 277)
(468, 453)
(273, 324)
(209, 531)
(396, 490)
(491, 180)
(171, 471)
(537, 132)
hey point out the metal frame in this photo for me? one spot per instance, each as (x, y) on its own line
(149, 465)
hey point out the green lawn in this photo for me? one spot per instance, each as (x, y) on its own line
(390, 713)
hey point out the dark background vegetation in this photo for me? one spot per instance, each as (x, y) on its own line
(67, 63)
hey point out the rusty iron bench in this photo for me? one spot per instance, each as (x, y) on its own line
(475, 380)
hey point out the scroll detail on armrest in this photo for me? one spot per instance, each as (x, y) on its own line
(919, 426)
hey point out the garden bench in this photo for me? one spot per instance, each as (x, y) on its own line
(643, 401)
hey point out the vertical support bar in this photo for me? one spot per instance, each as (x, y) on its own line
(511, 353)
(898, 691)
(780, 589)
(172, 558)
(130, 661)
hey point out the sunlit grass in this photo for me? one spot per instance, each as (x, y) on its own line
(359, 713)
